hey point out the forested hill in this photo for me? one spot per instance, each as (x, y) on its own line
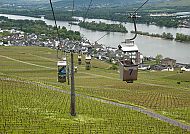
(23, 2)
(103, 3)
(183, 5)
(83, 3)
(78, 3)
(174, 3)
(100, 3)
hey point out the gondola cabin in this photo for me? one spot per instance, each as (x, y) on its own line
(62, 66)
(75, 69)
(79, 60)
(129, 62)
(88, 60)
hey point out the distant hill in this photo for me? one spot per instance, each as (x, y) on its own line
(118, 3)
(78, 2)
(174, 3)
(99, 3)
(25, 1)
(102, 3)
(95, 3)
(82, 3)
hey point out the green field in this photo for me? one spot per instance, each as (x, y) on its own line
(29, 105)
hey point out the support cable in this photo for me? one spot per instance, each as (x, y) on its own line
(134, 17)
(104, 34)
(89, 6)
(73, 8)
(59, 41)
(72, 12)
(140, 7)
(56, 28)
(102, 37)
(86, 13)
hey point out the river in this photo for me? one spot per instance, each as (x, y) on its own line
(148, 46)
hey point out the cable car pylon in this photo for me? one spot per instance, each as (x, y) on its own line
(62, 67)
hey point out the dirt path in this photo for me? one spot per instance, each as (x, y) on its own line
(48, 59)
(24, 62)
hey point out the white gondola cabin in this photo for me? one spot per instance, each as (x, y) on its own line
(62, 66)
(129, 62)
(79, 60)
(88, 60)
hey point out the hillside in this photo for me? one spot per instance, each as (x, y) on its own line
(24, 1)
(82, 3)
(121, 3)
(32, 101)
(105, 3)
(100, 3)
(174, 3)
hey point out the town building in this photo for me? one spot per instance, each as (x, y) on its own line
(168, 62)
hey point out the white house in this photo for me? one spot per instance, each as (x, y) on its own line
(185, 69)
(168, 69)
(1, 43)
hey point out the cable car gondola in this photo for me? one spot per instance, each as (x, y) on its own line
(129, 63)
(79, 59)
(130, 60)
(88, 62)
(76, 69)
(62, 66)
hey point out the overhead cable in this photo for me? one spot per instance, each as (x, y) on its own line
(87, 10)
(55, 26)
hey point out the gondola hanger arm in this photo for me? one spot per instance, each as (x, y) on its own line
(133, 16)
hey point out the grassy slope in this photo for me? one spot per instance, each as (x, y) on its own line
(158, 91)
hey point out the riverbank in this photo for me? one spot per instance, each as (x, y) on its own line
(147, 45)
(168, 36)
(164, 35)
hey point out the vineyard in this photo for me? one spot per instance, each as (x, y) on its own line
(32, 101)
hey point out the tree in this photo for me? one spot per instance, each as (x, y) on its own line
(182, 37)
(159, 57)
